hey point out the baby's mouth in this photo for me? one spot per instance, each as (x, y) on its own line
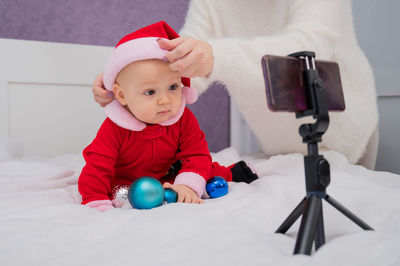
(163, 112)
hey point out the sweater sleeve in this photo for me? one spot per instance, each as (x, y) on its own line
(194, 154)
(311, 25)
(100, 156)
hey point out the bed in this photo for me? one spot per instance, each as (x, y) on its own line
(43, 223)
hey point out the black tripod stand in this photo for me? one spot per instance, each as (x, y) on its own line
(317, 171)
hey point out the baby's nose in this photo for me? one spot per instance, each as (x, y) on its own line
(164, 99)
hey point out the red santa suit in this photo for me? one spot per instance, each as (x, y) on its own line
(119, 156)
(125, 148)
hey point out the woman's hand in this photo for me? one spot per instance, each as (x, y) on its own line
(190, 57)
(185, 194)
(101, 95)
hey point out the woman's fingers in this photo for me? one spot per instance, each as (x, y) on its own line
(181, 65)
(103, 101)
(98, 81)
(187, 66)
(191, 58)
(169, 44)
(101, 92)
(181, 50)
(101, 95)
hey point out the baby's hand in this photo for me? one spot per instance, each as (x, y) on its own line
(101, 205)
(185, 193)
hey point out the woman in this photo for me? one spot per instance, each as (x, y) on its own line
(225, 40)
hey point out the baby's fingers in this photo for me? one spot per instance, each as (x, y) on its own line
(181, 197)
(196, 199)
(168, 185)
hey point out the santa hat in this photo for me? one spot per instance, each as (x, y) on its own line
(140, 45)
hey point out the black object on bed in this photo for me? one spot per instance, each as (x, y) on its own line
(317, 170)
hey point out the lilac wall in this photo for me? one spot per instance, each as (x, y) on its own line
(102, 22)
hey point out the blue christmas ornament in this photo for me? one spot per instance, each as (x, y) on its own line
(217, 187)
(146, 193)
(170, 195)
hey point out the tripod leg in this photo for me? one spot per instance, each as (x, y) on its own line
(308, 225)
(293, 216)
(320, 233)
(347, 213)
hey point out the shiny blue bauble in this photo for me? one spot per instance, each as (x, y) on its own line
(170, 195)
(146, 193)
(217, 187)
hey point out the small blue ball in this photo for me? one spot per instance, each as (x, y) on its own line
(170, 195)
(146, 193)
(217, 187)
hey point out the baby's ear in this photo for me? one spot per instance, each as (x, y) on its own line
(119, 93)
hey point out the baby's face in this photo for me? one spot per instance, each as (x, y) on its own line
(151, 91)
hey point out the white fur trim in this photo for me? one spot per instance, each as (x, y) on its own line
(191, 95)
(192, 180)
(122, 117)
(128, 52)
(125, 119)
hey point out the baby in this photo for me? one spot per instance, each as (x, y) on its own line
(148, 130)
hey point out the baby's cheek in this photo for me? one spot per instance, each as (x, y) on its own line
(142, 112)
(178, 102)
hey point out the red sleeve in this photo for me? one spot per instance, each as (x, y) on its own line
(193, 147)
(100, 157)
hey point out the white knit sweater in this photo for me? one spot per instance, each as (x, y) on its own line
(241, 32)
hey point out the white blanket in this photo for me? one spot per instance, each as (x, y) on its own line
(43, 223)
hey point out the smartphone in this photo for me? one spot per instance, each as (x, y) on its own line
(284, 83)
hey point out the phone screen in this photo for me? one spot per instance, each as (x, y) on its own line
(284, 83)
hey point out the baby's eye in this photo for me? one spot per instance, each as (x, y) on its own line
(150, 92)
(173, 87)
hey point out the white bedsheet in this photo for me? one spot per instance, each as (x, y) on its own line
(43, 223)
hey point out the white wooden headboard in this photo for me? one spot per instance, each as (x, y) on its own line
(45, 95)
(46, 100)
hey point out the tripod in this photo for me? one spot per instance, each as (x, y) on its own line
(317, 170)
